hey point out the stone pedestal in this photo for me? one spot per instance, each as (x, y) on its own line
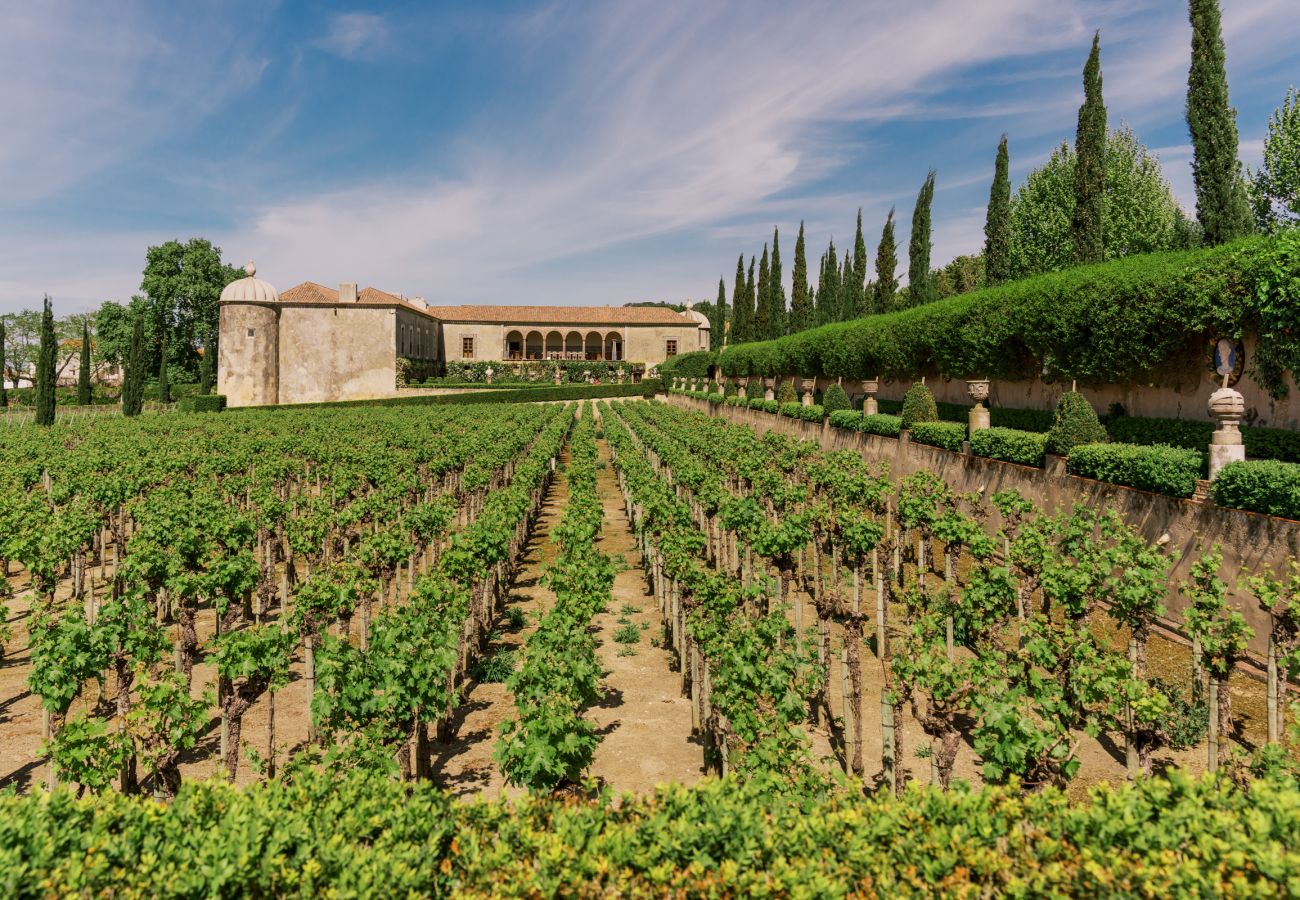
(978, 390)
(769, 389)
(869, 406)
(806, 399)
(978, 419)
(1227, 406)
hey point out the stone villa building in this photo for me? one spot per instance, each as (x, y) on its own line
(313, 343)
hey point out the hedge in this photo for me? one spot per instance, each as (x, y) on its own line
(882, 424)
(647, 388)
(790, 409)
(200, 403)
(1159, 468)
(812, 413)
(1024, 447)
(1265, 486)
(1128, 320)
(1261, 443)
(688, 365)
(948, 435)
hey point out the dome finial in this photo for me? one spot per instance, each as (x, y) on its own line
(250, 268)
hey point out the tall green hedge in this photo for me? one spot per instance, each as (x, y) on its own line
(688, 365)
(1266, 486)
(1132, 319)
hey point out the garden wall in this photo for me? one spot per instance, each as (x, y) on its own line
(1251, 543)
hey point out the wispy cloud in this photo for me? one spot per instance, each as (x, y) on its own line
(356, 35)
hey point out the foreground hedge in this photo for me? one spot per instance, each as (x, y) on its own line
(1025, 447)
(1159, 468)
(880, 423)
(1111, 323)
(1261, 443)
(948, 435)
(1264, 486)
(370, 837)
(647, 388)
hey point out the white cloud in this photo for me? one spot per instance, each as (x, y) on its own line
(356, 35)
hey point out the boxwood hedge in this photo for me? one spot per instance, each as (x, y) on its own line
(882, 424)
(1113, 322)
(1264, 486)
(1010, 445)
(948, 435)
(1159, 468)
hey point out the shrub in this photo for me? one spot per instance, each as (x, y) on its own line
(790, 409)
(813, 413)
(736, 401)
(918, 406)
(882, 424)
(494, 668)
(772, 406)
(1024, 447)
(688, 365)
(755, 402)
(730, 388)
(1261, 443)
(786, 392)
(202, 403)
(835, 399)
(1075, 423)
(755, 390)
(1159, 468)
(1263, 486)
(715, 398)
(948, 435)
(847, 419)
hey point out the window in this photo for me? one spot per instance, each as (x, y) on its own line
(467, 348)
(672, 348)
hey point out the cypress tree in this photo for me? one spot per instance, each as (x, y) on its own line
(861, 304)
(751, 300)
(134, 371)
(848, 303)
(763, 305)
(886, 266)
(802, 313)
(742, 313)
(45, 368)
(1221, 202)
(718, 321)
(920, 284)
(4, 372)
(828, 294)
(997, 224)
(776, 322)
(1090, 164)
(164, 389)
(83, 367)
(206, 364)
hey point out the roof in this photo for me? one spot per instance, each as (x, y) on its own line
(574, 315)
(311, 292)
(250, 289)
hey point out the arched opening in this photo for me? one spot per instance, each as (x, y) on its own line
(554, 345)
(533, 345)
(594, 345)
(514, 348)
(573, 345)
(613, 346)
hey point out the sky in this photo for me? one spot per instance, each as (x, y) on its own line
(557, 153)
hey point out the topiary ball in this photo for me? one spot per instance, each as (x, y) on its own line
(918, 406)
(787, 394)
(1075, 423)
(835, 399)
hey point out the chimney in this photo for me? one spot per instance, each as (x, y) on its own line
(418, 303)
(348, 292)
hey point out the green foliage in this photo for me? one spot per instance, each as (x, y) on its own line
(886, 285)
(45, 374)
(1165, 470)
(1221, 202)
(789, 409)
(1188, 717)
(814, 412)
(718, 318)
(1264, 486)
(920, 288)
(918, 406)
(742, 304)
(835, 399)
(1221, 630)
(4, 370)
(1024, 447)
(1075, 423)
(202, 403)
(688, 365)
(997, 222)
(1086, 231)
(1275, 188)
(802, 314)
(181, 284)
(776, 316)
(886, 425)
(87, 752)
(786, 392)
(628, 634)
(494, 668)
(84, 396)
(135, 371)
(948, 435)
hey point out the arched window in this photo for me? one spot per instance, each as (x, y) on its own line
(595, 344)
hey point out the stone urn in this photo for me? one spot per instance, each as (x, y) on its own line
(807, 385)
(769, 388)
(978, 389)
(1227, 406)
(870, 386)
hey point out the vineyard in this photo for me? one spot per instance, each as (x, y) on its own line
(412, 636)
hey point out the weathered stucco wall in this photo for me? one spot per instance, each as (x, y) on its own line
(248, 354)
(1252, 544)
(337, 352)
(418, 336)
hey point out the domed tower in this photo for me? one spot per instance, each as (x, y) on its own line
(248, 357)
(702, 325)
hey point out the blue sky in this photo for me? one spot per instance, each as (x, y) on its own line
(506, 152)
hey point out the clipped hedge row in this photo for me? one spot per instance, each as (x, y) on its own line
(688, 365)
(1159, 468)
(1024, 447)
(948, 435)
(1261, 443)
(202, 403)
(1113, 322)
(1264, 486)
(881, 423)
(647, 388)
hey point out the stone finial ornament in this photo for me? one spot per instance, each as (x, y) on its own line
(869, 387)
(1227, 406)
(978, 389)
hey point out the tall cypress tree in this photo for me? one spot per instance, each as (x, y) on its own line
(1090, 164)
(742, 311)
(1221, 201)
(45, 357)
(886, 266)
(848, 296)
(920, 284)
(718, 321)
(751, 300)
(763, 306)
(997, 223)
(4, 372)
(133, 374)
(206, 364)
(802, 313)
(776, 322)
(83, 367)
(164, 389)
(861, 304)
(828, 295)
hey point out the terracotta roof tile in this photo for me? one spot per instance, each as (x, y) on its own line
(309, 292)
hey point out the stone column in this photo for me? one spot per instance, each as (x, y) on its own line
(769, 388)
(979, 414)
(869, 406)
(1227, 406)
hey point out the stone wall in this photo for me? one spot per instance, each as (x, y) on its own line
(1252, 544)
(248, 366)
(337, 352)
